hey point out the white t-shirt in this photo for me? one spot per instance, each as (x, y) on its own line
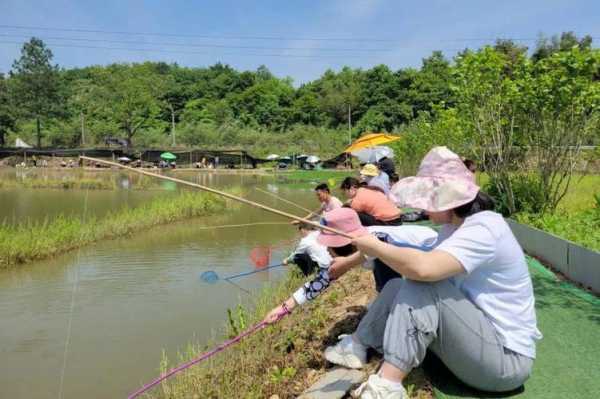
(317, 252)
(496, 277)
(406, 236)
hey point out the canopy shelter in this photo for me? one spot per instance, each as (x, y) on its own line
(167, 156)
(370, 140)
(62, 152)
(228, 158)
(336, 162)
(272, 157)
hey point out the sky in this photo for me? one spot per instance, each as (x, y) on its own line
(296, 38)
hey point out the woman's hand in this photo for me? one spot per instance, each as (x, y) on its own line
(367, 244)
(278, 312)
(274, 315)
(337, 267)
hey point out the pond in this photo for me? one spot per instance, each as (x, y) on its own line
(110, 309)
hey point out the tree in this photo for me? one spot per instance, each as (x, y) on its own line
(7, 111)
(546, 47)
(431, 86)
(340, 95)
(560, 112)
(37, 83)
(487, 97)
(130, 95)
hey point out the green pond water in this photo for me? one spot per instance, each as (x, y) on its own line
(127, 300)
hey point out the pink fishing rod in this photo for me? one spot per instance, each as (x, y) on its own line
(205, 356)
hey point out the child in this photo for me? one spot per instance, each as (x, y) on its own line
(309, 254)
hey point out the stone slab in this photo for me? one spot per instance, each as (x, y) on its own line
(584, 267)
(334, 385)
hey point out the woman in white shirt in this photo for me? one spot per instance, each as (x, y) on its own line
(469, 300)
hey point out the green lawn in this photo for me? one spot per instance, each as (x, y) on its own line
(567, 363)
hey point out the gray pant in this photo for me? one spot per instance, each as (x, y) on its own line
(408, 317)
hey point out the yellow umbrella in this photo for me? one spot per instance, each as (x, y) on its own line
(370, 140)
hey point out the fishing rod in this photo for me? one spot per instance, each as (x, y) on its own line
(221, 193)
(283, 199)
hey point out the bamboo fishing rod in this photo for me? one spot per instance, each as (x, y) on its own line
(221, 193)
(283, 199)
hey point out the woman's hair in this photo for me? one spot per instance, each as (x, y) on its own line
(346, 250)
(349, 182)
(481, 202)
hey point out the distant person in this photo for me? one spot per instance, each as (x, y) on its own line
(34, 160)
(373, 206)
(386, 165)
(374, 177)
(470, 164)
(216, 162)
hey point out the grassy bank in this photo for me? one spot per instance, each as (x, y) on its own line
(82, 184)
(284, 359)
(29, 241)
(581, 227)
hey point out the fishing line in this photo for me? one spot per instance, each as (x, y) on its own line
(73, 292)
(204, 356)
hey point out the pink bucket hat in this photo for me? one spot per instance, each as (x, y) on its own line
(443, 182)
(342, 219)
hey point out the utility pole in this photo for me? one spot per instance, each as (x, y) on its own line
(349, 126)
(82, 130)
(172, 124)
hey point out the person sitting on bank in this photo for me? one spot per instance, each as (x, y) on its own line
(469, 300)
(371, 204)
(321, 281)
(328, 201)
(309, 254)
(374, 177)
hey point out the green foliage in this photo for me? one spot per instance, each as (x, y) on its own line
(527, 190)
(580, 227)
(280, 375)
(446, 128)
(36, 83)
(7, 111)
(237, 321)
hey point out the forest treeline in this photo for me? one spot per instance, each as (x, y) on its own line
(160, 104)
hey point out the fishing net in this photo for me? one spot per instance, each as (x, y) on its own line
(209, 277)
(261, 256)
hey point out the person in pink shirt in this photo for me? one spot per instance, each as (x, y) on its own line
(328, 201)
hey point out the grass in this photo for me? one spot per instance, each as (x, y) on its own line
(577, 217)
(82, 184)
(283, 359)
(29, 241)
(581, 227)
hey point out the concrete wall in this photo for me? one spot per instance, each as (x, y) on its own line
(574, 261)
